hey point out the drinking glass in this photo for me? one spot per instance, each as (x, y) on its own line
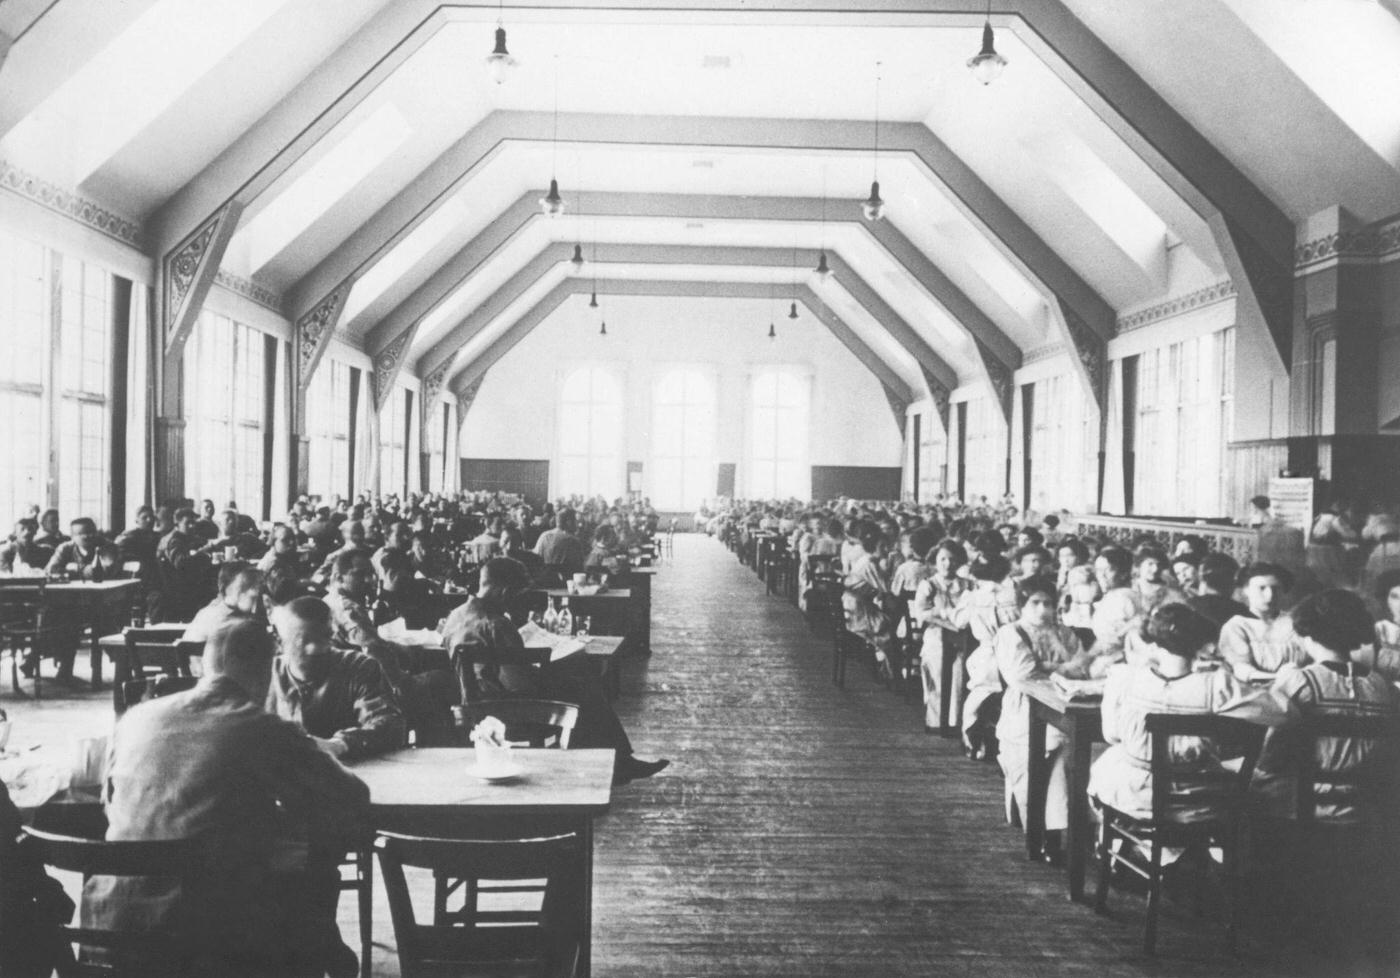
(583, 625)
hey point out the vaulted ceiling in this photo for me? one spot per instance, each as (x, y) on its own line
(359, 152)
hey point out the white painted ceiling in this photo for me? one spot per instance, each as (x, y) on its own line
(129, 103)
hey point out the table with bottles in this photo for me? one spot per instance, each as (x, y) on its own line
(86, 604)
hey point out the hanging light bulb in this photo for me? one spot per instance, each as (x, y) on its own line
(873, 206)
(986, 65)
(772, 332)
(603, 329)
(792, 312)
(499, 62)
(593, 300)
(823, 269)
(577, 260)
(551, 203)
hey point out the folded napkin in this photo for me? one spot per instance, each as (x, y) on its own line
(397, 632)
(559, 646)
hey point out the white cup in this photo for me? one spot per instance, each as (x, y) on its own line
(490, 757)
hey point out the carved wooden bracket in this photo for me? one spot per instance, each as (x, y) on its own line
(309, 341)
(999, 379)
(942, 398)
(465, 399)
(899, 407)
(1090, 350)
(188, 272)
(387, 364)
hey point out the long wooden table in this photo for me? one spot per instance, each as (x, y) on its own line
(431, 792)
(1081, 722)
(89, 600)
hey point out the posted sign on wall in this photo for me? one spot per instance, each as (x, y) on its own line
(1292, 502)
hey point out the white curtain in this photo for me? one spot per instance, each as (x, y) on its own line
(1113, 447)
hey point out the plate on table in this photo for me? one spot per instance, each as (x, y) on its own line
(497, 773)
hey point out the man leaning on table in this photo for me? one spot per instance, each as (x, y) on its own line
(273, 814)
(482, 621)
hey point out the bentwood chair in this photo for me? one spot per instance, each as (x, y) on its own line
(544, 934)
(1178, 798)
(30, 629)
(149, 954)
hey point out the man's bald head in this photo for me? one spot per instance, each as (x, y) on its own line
(241, 651)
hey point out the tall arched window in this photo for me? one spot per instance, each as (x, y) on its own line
(683, 440)
(778, 442)
(590, 434)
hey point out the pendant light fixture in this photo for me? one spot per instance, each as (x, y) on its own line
(792, 311)
(577, 259)
(874, 207)
(603, 329)
(986, 65)
(593, 299)
(772, 301)
(499, 62)
(772, 332)
(823, 270)
(551, 203)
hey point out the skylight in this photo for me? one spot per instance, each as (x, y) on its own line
(324, 183)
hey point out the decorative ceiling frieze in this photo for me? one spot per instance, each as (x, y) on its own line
(1208, 296)
(72, 206)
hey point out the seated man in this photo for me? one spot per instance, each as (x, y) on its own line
(49, 536)
(398, 541)
(77, 557)
(559, 548)
(185, 570)
(246, 546)
(211, 764)
(482, 621)
(341, 698)
(427, 695)
(352, 533)
(20, 551)
(239, 599)
(283, 552)
(138, 544)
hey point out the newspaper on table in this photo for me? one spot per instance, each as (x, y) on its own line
(559, 646)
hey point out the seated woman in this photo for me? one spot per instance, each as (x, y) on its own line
(1330, 626)
(1118, 606)
(867, 599)
(604, 557)
(934, 603)
(1166, 681)
(826, 543)
(983, 609)
(1034, 647)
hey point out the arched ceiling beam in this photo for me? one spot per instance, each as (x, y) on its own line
(1035, 259)
(559, 252)
(999, 354)
(467, 374)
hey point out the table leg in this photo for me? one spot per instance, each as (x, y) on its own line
(95, 659)
(1037, 783)
(121, 672)
(1078, 751)
(585, 952)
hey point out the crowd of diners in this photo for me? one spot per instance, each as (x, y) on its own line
(295, 682)
(1185, 630)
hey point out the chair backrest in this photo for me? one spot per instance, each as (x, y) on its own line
(551, 933)
(152, 649)
(145, 952)
(533, 723)
(139, 690)
(1383, 733)
(1231, 735)
(467, 655)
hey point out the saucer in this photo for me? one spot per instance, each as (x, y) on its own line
(498, 773)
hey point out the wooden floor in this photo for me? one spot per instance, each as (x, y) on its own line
(808, 831)
(804, 830)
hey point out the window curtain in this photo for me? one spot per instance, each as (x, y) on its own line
(139, 406)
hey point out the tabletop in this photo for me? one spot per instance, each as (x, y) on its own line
(71, 587)
(620, 593)
(1046, 692)
(554, 781)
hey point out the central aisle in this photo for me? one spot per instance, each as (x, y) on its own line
(804, 830)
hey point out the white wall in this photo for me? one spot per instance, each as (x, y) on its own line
(514, 413)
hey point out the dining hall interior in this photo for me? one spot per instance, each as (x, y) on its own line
(761, 487)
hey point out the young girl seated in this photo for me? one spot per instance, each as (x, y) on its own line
(983, 609)
(934, 603)
(1165, 682)
(913, 567)
(867, 601)
(1034, 647)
